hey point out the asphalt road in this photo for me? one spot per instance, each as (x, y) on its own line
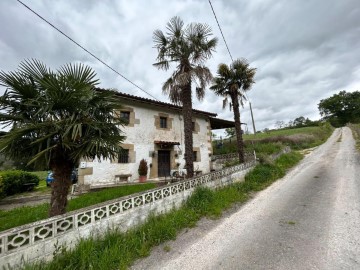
(310, 219)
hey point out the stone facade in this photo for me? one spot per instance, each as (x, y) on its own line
(143, 134)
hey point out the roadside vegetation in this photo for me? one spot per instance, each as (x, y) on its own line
(16, 181)
(355, 128)
(36, 107)
(116, 250)
(271, 142)
(28, 214)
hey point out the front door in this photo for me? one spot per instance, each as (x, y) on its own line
(163, 163)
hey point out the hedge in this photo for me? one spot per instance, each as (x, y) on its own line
(12, 182)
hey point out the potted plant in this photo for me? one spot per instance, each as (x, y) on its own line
(143, 169)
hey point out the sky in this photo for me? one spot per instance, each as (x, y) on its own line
(304, 50)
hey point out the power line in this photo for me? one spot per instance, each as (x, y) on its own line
(221, 31)
(227, 47)
(97, 58)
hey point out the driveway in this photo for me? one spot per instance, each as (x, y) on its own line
(310, 219)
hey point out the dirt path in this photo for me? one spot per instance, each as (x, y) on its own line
(307, 220)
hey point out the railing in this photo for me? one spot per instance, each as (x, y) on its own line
(23, 236)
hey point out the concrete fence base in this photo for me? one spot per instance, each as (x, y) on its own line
(40, 240)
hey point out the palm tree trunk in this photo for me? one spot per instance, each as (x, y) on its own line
(188, 134)
(239, 139)
(62, 169)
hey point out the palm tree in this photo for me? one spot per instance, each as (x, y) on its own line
(189, 47)
(57, 118)
(232, 82)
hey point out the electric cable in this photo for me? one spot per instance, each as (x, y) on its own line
(97, 58)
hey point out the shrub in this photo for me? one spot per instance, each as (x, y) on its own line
(2, 193)
(13, 182)
(143, 168)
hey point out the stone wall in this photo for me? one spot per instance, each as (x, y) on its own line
(140, 138)
(39, 240)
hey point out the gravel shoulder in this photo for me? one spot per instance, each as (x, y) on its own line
(307, 220)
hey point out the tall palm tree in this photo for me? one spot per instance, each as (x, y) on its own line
(57, 118)
(232, 82)
(188, 47)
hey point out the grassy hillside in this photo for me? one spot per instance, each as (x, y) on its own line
(281, 132)
(274, 141)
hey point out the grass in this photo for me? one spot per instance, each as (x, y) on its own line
(42, 184)
(355, 128)
(24, 215)
(339, 139)
(41, 174)
(291, 222)
(274, 141)
(281, 132)
(42, 187)
(167, 248)
(117, 250)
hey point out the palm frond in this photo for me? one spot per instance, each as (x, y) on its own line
(225, 102)
(162, 65)
(159, 39)
(175, 27)
(49, 111)
(233, 81)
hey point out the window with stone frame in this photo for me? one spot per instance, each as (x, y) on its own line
(123, 156)
(125, 116)
(195, 155)
(163, 122)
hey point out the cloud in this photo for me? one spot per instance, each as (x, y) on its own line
(304, 51)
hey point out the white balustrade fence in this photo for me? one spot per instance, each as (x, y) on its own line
(14, 243)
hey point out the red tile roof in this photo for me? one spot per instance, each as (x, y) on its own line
(155, 102)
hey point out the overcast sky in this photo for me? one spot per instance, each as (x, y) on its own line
(304, 50)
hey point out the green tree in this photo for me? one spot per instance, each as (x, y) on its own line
(341, 108)
(188, 47)
(57, 118)
(299, 121)
(232, 82)
(230, 132)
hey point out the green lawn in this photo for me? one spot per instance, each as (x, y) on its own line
(41, 174)
(42, 184)
(28, 214)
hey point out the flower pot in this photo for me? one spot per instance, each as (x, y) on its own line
(142, 178)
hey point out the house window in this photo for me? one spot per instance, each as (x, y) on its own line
(195, 155)
(123, 156)
(163, 122)
(125, 116)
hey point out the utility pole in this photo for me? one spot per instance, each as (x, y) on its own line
(252, 118)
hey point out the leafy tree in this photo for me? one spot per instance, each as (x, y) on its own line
(299, 121)
(232, 82)
(279, 124)
(341, 108)
(230, 132)
(189, 47)
(57, 118)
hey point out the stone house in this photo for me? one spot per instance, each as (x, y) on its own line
(155, 132)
